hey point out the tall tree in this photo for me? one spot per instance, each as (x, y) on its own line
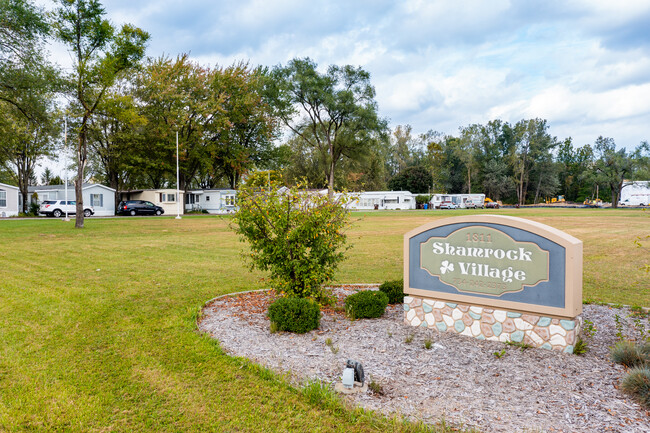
(612, 166)
(101, 55)
(534, 143)
(23, 68)
(467, 151)
(114, 132)
(334, 112)
(245, 140)
(25, 140)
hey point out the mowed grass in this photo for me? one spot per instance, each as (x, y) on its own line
(97, 326)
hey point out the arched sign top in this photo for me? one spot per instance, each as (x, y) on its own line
(495, 261)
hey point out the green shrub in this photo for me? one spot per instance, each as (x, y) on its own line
(298, 315)
(297, 236)
(630, 354)
(394, 290)
(637, 383)
(366, 304)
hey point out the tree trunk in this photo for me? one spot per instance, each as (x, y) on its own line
(330, 181)
(469, 181)
(81, 165)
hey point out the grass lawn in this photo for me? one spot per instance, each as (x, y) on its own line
(97, 325)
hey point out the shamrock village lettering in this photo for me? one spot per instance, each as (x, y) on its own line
(484, 254)
(507, 266)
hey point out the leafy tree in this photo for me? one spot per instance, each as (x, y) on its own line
(497, 183)
(24, 72)
(298, 236)
(533, 145)
(101, 56)
(113, 135)
(335, 113)
(612, 166)
(576, 170)
(468, 150)
(251, 126)
(25, 141)
(414, 179)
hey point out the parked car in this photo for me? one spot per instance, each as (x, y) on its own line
(492, 205)
(138, 207)
(448, 205)
(58, 208)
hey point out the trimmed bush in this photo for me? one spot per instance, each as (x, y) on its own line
(366, 304)
(637, 383)
(629, 354)
(297, 315)
(394, 290)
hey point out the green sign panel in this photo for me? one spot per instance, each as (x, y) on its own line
(485, 260)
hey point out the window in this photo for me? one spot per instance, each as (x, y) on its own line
(167, 197)
(97, 200)
(3, 198)
(230, 200)
(207, 198)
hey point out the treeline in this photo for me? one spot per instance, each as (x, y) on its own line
(126, 113)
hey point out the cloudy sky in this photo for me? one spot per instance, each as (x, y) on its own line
(582, 65)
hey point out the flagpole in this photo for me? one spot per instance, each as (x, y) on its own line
(178, 191)
(65, 165)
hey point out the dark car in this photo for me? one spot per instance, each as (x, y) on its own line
(138, 207)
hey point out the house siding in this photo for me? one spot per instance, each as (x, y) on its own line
(9, 203)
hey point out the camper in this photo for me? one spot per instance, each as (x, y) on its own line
(461, 201)
(382, 200)
(635, 193)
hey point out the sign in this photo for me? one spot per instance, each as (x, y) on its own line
(495, 261)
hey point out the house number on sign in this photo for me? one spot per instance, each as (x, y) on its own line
(479, 237)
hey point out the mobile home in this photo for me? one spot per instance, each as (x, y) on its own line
(9, 200)
(462, 201)
(166, 198)
(635, 193)
(214, 201)
(100, 197)
(382, 200)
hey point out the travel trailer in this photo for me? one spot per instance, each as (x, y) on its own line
(462, 201)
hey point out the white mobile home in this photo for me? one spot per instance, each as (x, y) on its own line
(382, 200)
(100, 197)
(635, 193)
(163, 197)
(214, 201)
(9, 200)
(462, 201)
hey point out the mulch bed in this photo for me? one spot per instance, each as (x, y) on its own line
(458, 378)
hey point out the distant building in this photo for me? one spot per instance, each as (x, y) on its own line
(100, 197)
(9, 200)
(635, 193)
(214, 201)
(382, 200)
(163, 197)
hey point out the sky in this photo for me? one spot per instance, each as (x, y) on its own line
(436, 65)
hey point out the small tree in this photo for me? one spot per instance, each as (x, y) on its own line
(296, 235)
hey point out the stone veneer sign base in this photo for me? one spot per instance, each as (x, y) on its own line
(493, 324)
(495, 277)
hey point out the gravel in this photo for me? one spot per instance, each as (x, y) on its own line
(466, 382)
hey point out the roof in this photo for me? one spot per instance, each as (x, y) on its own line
(62, 187)
(4, 185)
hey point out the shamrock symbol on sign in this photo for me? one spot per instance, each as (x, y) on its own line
(446, 267)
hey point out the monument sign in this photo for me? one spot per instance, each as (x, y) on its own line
(495, 277)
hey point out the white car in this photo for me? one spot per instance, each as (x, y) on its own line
(58, 208)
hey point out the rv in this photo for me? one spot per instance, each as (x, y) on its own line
(635, 194)
(461, 201)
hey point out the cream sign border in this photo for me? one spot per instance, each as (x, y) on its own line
(572, 265)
